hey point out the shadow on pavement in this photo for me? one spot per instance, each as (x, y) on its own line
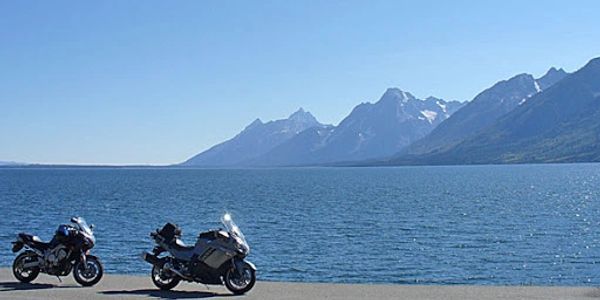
(165, 294)
(593, 294)
(19, 286)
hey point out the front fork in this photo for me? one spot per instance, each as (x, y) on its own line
(83, 260)
(238, 264)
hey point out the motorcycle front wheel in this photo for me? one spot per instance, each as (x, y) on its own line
(164, 280)
(22, 274)
(90, 273)
(240, 284)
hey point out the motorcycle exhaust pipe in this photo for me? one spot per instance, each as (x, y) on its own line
(156, 261)
(31, 265)
(178, 273)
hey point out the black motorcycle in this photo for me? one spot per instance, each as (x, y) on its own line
(216, 258)
(68, 250)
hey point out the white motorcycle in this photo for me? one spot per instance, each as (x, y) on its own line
(218, 257)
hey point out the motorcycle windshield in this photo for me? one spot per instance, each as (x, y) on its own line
(83, 227)
(234, 230)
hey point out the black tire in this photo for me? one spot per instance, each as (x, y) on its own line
(234, 283)
(18, 271)
(162, 280)
(92, 275)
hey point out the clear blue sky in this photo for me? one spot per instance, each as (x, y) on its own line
(128, 82)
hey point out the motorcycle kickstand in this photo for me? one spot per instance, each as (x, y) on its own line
(59, 280)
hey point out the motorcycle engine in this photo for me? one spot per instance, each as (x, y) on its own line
(54, 257)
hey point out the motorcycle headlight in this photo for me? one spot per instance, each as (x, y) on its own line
(89, 240)
(240, 245)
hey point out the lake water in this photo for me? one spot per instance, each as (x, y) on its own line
(522, 224)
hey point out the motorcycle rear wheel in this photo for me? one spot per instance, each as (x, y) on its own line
(25, 275)
(162, 280)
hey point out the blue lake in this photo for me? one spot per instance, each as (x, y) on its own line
(493, 225)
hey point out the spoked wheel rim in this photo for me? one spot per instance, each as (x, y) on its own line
(240, 282)
(89, 272)
(24, 273)
(161, 277)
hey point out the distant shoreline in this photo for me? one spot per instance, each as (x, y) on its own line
(325, 166)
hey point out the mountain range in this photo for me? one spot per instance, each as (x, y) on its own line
(485, 109)
(255, 140)
(559, 124)
(371, 130)
(554, 118)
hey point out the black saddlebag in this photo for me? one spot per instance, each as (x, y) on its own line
(170, 232)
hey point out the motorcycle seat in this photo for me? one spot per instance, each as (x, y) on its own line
(181, 246)
(208, 235)
(34, 241)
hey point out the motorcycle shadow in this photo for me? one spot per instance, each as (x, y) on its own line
(19, 286)
(166, 294)
(594, 293)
